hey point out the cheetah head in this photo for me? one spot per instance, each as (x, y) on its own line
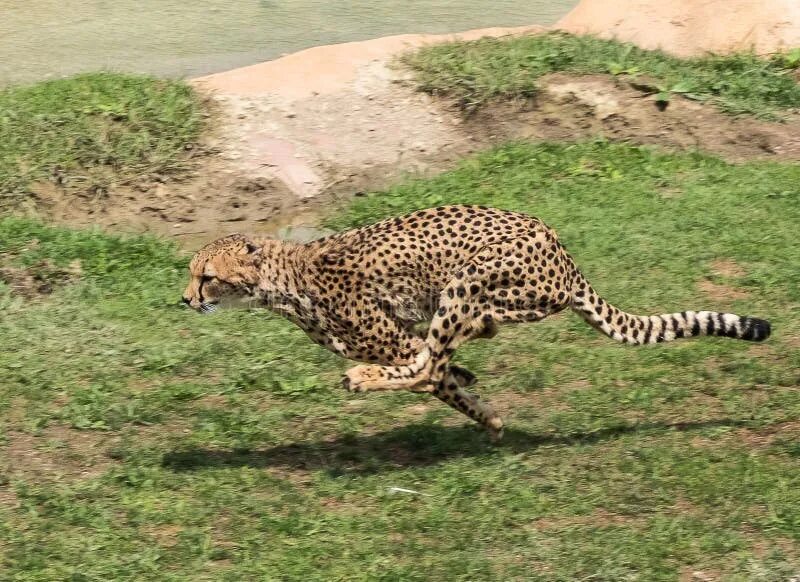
(223, 272)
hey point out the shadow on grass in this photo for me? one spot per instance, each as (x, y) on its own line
(410, 446)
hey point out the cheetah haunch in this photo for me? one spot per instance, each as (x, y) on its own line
(464, 269)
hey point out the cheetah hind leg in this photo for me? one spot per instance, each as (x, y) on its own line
(471, 405)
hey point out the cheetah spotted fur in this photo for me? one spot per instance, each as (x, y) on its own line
(463, 269)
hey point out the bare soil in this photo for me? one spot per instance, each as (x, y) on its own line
(724, 292)
(37, 280)
(59, 453)
(624, 109)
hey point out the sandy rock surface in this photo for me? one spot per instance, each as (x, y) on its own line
(691, 27)
(329, 114)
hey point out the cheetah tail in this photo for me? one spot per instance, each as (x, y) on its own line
(650, 329)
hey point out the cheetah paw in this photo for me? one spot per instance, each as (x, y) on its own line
(495, 429)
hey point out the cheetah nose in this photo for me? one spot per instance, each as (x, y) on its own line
(186, 301)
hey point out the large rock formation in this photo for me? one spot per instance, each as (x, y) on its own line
(691, 27)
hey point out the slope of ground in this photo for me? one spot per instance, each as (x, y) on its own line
(279, 148)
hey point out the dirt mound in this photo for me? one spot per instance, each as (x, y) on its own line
(347, 142)
(691, 27)
(212, 200)
(294, 135)
(570, 108)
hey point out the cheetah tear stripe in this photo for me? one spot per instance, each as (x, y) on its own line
(650, 329)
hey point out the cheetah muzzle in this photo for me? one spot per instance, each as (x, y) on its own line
(463, 269)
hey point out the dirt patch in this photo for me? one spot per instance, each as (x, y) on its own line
(728, 268)
(569, 108)
(766, 436)
(752, 438)
(39, 279)
(57, 454)
(763, 548)
(721, 293)
(510, 403)
(689, 574)
(165, 535)
(792, 341)
(7, 497)
(764, 352)
(62, 454)
(350, 507)
(599, 518)
(211, 401)
(417, 410)
(212, 200)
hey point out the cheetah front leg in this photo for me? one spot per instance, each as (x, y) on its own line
(430, 370)
(408, 375)
(407, 361)
(371, 379)
(401, 357)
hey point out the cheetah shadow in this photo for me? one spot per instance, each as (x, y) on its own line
(416, 445)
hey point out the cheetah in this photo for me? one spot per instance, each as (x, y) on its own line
(463, 270)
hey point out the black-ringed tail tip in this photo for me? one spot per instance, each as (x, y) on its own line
(650, 329)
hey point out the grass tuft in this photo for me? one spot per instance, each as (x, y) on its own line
(508, 68)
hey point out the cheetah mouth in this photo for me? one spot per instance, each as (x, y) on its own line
(227, 303)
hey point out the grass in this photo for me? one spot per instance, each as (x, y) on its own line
(143, 441)
(478, 71)
(91, 131)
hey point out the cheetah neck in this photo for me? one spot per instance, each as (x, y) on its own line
(286, 271)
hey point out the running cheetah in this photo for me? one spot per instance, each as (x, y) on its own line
(463, 269)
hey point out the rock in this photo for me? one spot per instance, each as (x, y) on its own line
(691, 28)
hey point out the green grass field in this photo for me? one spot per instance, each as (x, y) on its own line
(142, 441)
(473, 73)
